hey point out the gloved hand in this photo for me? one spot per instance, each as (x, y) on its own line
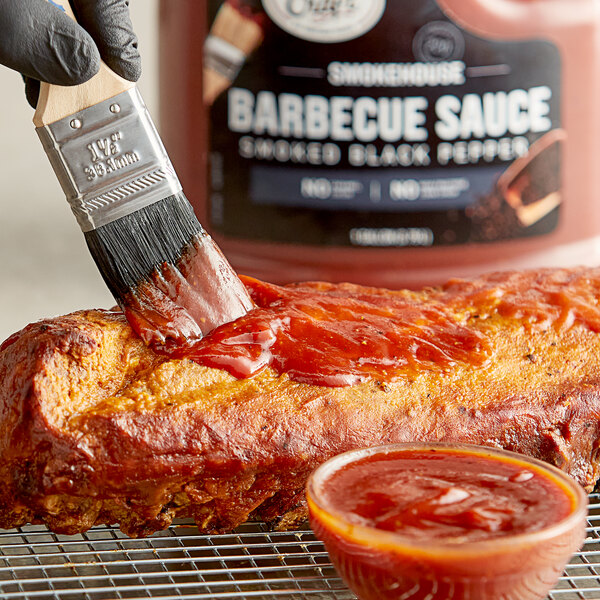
(41, 42)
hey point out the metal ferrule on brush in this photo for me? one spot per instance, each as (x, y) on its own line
(109, 160)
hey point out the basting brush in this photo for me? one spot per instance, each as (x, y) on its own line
(164, 270)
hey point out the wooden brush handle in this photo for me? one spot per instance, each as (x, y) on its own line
(56, 101)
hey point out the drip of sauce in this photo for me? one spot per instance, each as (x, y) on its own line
(424, 495)
(338, 335)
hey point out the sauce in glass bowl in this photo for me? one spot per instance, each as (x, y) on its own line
(437, 521)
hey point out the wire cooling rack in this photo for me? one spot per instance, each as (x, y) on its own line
(252, 562)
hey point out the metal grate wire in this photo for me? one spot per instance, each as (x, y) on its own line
(179, 563)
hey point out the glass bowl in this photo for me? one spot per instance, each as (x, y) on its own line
(442, 561)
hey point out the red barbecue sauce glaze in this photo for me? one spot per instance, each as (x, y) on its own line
(431, 495)
(337, 335)
(341, 334)
(557, 298)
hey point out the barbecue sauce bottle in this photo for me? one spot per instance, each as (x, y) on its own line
(389, 143)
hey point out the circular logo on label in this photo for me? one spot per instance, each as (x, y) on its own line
(438, 40)
(325, 21)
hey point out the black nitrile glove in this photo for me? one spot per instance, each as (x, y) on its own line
(43, 44)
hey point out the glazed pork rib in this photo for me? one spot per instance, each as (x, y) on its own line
(95, 427)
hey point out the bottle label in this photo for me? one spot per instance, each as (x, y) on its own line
(409, 130)
(325, 21)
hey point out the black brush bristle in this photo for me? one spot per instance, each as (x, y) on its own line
(127, 250)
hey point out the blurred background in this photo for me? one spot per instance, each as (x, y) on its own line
(45, 267)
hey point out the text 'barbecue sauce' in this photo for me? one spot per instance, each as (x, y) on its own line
(388, 143)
